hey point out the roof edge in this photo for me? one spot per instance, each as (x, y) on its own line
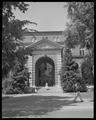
(43, 32)
(44, 40)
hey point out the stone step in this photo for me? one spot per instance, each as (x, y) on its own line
(55, 89)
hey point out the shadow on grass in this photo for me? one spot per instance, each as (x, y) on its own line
(33, 105)
(6, 97)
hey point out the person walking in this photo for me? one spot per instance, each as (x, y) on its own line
(78, 95)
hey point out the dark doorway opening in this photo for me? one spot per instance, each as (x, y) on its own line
(44, 72)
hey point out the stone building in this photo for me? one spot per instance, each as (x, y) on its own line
(45, 56)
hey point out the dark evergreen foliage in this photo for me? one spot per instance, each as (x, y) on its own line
(12, 30)
(87, 72)
(70, 74)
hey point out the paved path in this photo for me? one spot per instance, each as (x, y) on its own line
(81, 110)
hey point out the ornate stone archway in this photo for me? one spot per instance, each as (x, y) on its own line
(40, 53)
(44, 72)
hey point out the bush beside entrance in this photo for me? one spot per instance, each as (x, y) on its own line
(87, 72)
(70, 74)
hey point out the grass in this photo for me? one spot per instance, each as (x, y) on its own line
(35, 105)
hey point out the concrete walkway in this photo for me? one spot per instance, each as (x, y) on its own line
(81, 110)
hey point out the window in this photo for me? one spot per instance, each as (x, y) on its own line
(81, 52)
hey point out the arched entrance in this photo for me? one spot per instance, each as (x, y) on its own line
(44, 72)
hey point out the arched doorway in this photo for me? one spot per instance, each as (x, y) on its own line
(44, 72)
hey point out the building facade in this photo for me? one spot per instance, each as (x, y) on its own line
(45, 57)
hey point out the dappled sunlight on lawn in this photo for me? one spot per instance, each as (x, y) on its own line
(38, 105)
(33, 105)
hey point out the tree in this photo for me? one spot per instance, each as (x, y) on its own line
(20, 75)
(80, 31)
(81, 27)
(12, 30)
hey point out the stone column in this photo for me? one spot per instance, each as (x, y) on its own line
(58, 69)
(33, 71)
(29, 64)
(58, 85)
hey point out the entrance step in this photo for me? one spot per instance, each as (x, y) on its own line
(56, 89)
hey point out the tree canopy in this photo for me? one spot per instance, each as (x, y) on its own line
(80, 29)
(11, 32)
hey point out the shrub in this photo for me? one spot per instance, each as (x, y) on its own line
(87, 74)
(17, 84)
(10, 90)
(6, 84)
(20, 81)
(68, 81)
(70, 74)
(83, 87)
(20, 74)
(28, 89)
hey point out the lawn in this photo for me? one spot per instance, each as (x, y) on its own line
(35, 105)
